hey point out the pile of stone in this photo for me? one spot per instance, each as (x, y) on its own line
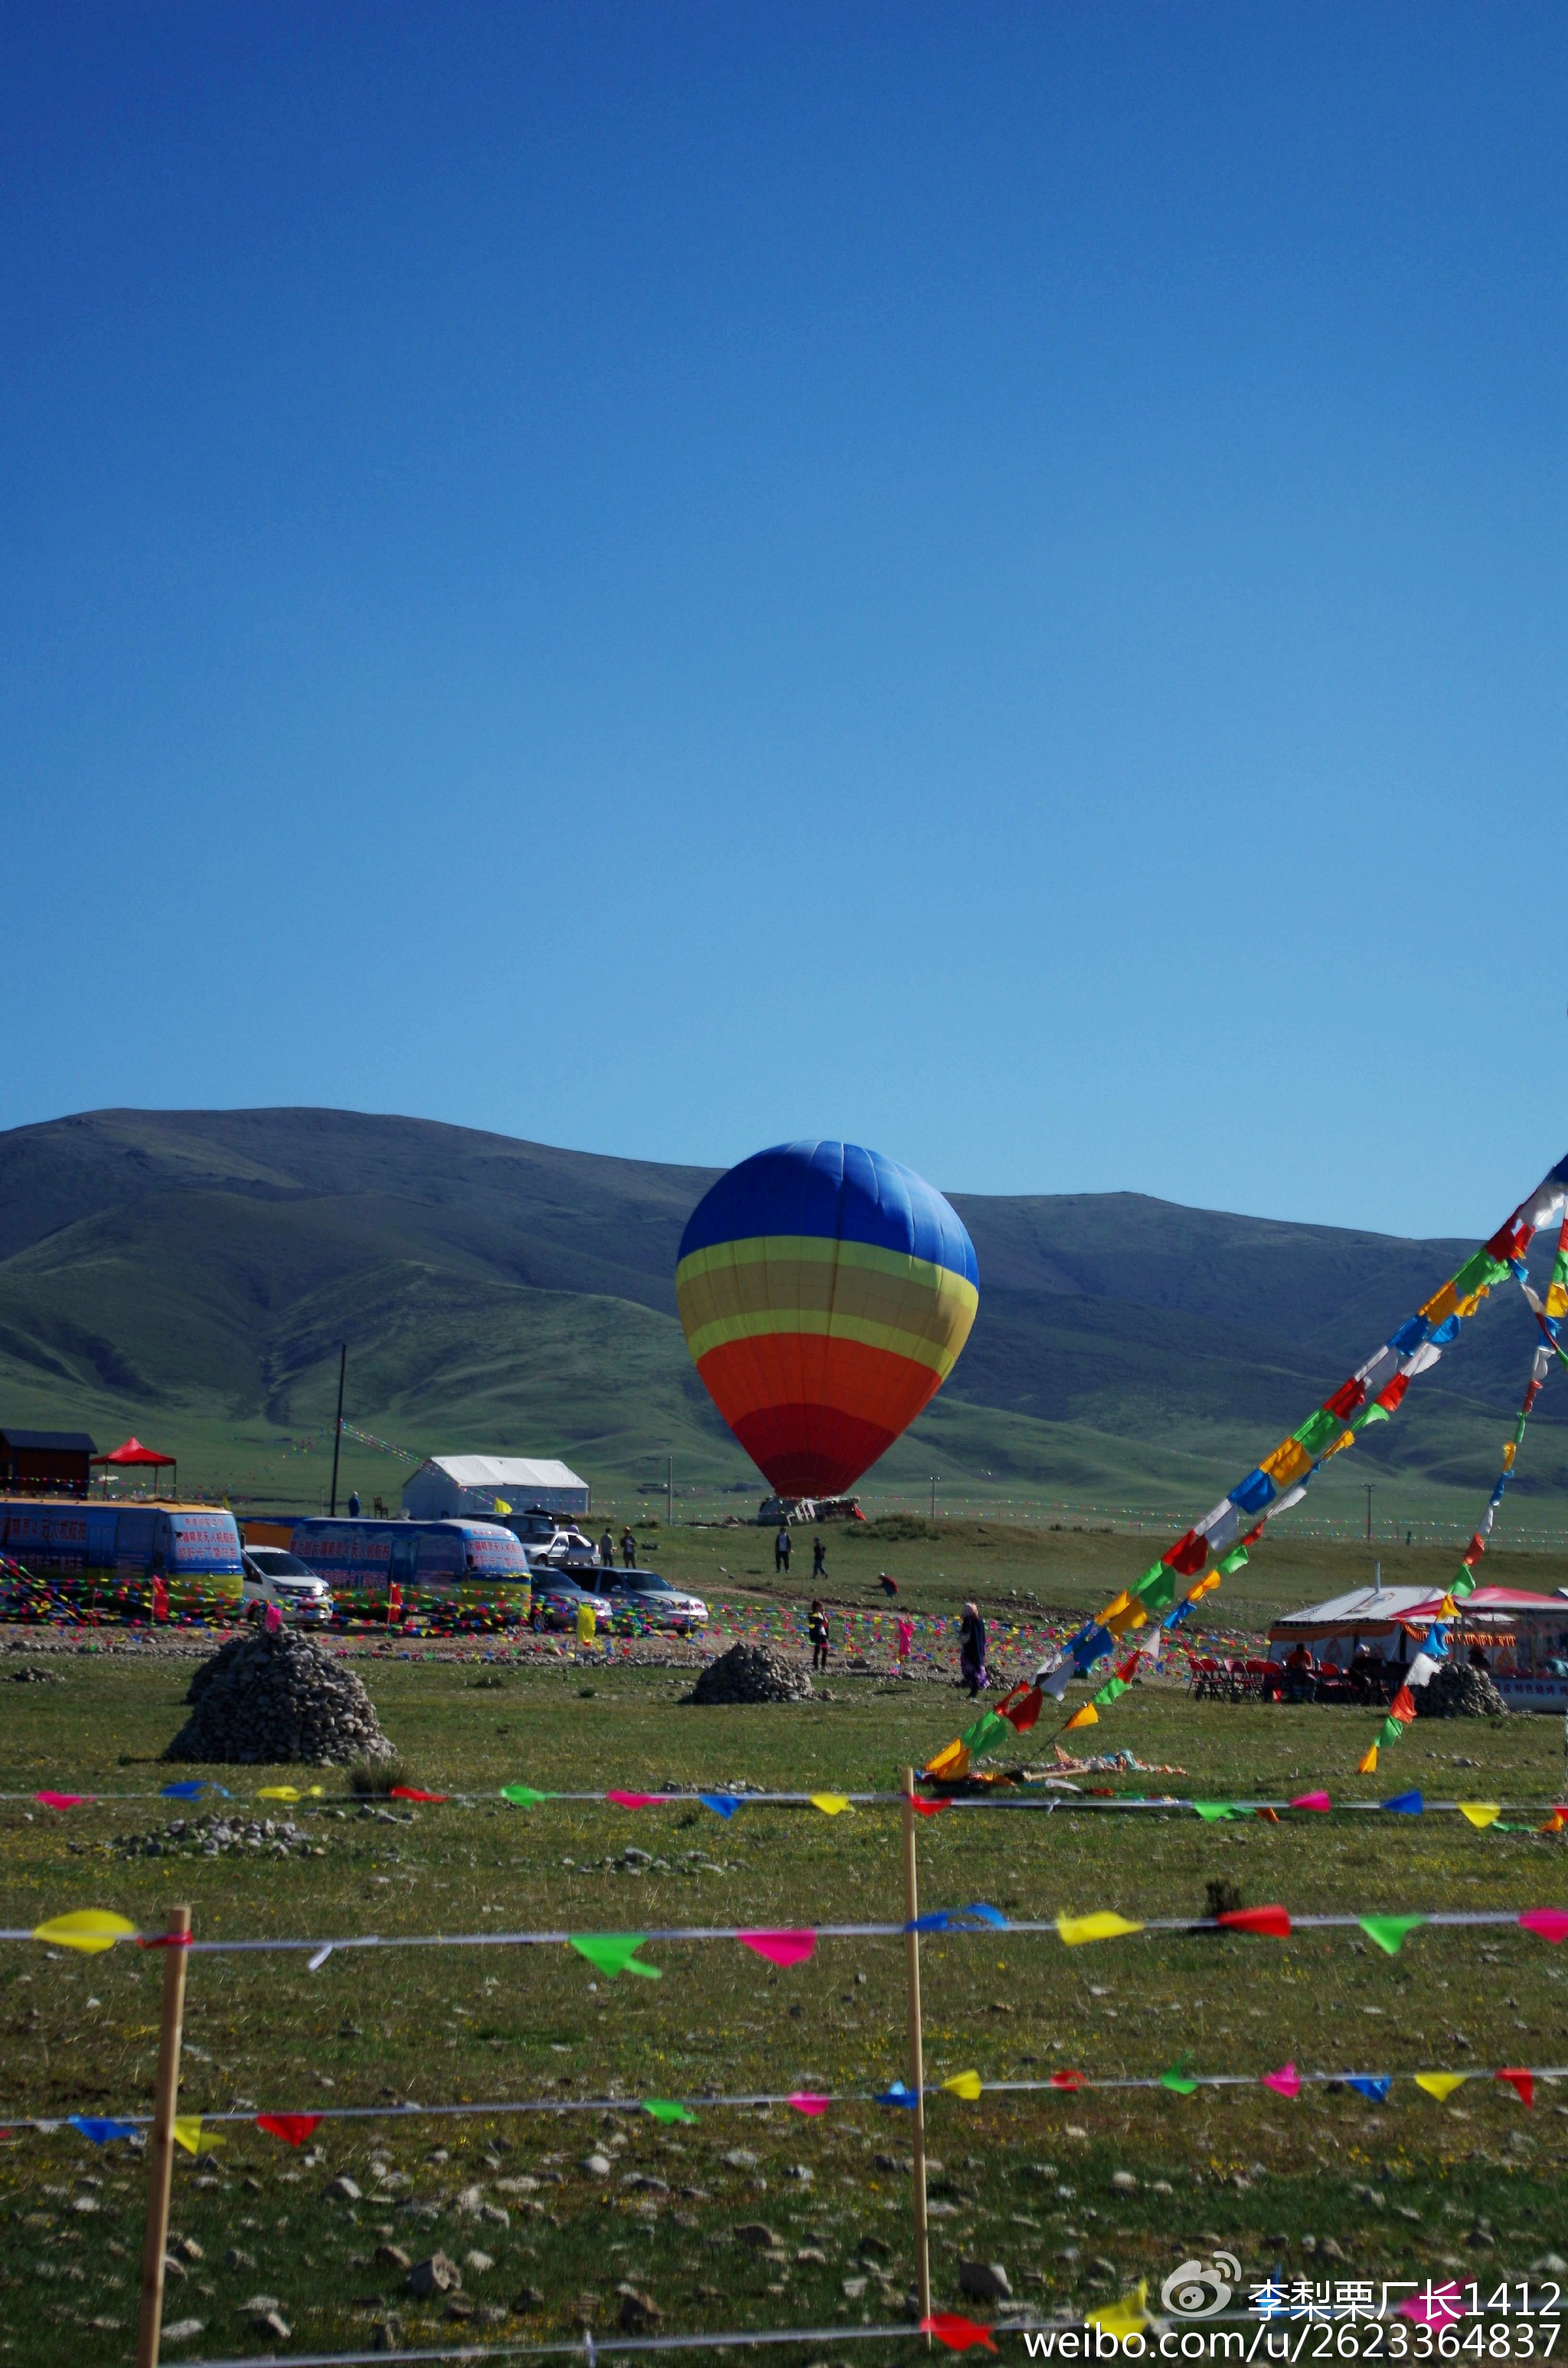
(277, 1696)
(1458, 1691)
(752, 1673)
(215, 1834)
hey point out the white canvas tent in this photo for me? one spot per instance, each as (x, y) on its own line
(445, 1486)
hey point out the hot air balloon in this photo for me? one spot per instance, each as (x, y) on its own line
(825, 1293)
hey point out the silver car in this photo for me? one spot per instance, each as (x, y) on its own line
(645, 1599)
(272, 1575)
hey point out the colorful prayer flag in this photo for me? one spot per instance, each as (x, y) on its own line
(89, 1930)
(1104, 1924)
(1389, 1931)
(612, 1954)
(966, 2085)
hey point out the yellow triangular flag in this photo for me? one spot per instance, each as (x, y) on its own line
(1367, 1763)
(502, 1506)
(1481, 1813)
(278, 1793)
(1128, 2316)
(187, 2132)
(1441, 2084)
(91, 1930)
(951, 1761)
(966, 2085)
(830, 1803)
(1446, 1609)
(1087, 1716)
(1104, 1926)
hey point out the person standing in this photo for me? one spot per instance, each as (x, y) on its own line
(817, 1630)
(971, 1649)
(781, 1546)
(606, 1551)
(819, 1560)
(354, 1504)
(905, 1638)
(628, 1550)
(588, 1627)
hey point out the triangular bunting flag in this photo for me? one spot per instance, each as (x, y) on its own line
(1178, 2079)
(1272, 1923)
(292, 2128)
(780, 1948)
(1520, 2080)
(612, 1954)
(1087, 1716)
(523, 1796)
(1389, 1931)
(723, 1804)
(1286, 2083)
(966, 2085)
(1211, 1811)
(1481, 1814)
(664, 2108)
(1441, 2084)
(1067, 2079)
(1548, 1923)
(1128, 2316)
(830, 1803)
(188, 2133)
(1105, 1925)
(806, 2101)
(957, 2334)
(928, 1808)
(633, 1800)
(100, 2132)
(89, 1929)
(1367, 1763)
(1405, 1805)
(1318, 1801)
(1371, 2084)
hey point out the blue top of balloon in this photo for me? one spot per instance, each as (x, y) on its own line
(835, 1191)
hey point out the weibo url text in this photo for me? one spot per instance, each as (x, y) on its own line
(1515, 2337)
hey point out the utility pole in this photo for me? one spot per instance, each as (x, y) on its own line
(1368, 1485)
(935, 1477)
(338, 1428)
(669, 1492)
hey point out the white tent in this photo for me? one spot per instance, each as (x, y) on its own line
(445, 1486)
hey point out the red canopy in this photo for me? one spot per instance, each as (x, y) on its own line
(132, 1452)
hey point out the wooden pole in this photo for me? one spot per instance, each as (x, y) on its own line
(916, 2052)
(161, 2147)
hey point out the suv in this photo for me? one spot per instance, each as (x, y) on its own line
(645, 1599)
(272, 1575)
(552, 1537)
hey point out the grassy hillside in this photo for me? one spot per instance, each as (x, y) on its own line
(189, 1275)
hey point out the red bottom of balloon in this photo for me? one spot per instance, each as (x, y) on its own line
(815, 1414)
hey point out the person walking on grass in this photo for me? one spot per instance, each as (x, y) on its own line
(905, 1639)
(819, 1560)
(781, 1547)
(628, 1550)
(971, 1649)
(817, 1630)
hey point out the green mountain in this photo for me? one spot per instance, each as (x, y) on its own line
(189, 1275)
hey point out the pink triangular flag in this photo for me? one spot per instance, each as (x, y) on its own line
(805, 2103)
(63, 1800)
(1551, 1923)
(780, 1948)
(1286, 2083)
(633, 1800)
(1319, 1801)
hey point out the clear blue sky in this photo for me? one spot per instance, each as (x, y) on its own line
(989, 579)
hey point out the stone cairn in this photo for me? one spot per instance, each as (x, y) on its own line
(752, 1673)
(272, 1697)
(1458, 1690)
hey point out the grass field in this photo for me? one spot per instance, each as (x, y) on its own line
(1474, 2188)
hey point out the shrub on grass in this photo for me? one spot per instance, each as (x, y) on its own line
(374, 1778)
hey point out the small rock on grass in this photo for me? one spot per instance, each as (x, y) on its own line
(478, 2262)
(527, 2298)
(437, 2274)
(986, 2280)
(637, 2310)
(390, 2257)
(757, 2234)
(181, 2330)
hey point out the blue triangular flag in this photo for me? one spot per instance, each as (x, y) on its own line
(186, 1792)
(723, 1804)
(101, 2132)
(898, 2095)
(1371, 2084)
(1408, 1805)
(937, 1919)
(992, 1916)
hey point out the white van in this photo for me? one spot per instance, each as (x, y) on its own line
(272, 1575)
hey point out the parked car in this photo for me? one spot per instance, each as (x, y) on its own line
(272, 1575)
(645, 1599)
(550, 1539)
(556, 1597)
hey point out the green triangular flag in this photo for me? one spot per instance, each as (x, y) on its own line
(1231, 1562)
(612, 1954)
(1108, 1691)
(523, 1796)
(1212, 1811)
(661, 2107)
(1374, 1414)
(1178, 2080)
(1390, 1731)
(1389, 1931)
(985, 1734)
(1462, 1583)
